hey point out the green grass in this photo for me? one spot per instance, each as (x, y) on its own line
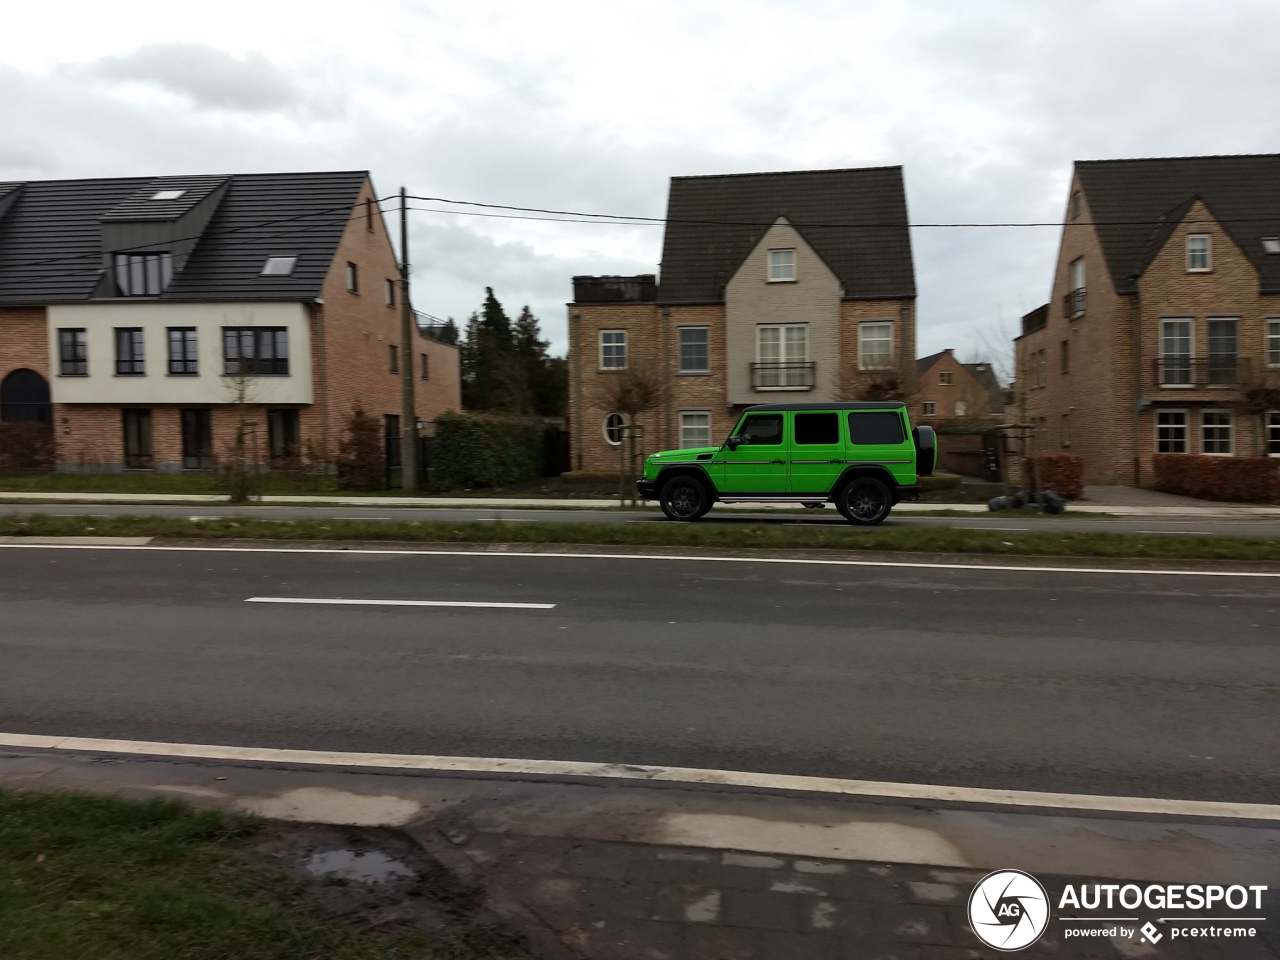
(1046, 543)
(86, 877)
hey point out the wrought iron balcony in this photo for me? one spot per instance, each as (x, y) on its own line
(1189, 372)
(783, 375)
(1073, 303)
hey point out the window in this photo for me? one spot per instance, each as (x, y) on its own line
(1077, 274)
(424, 367)
(389, 290)
(1175, 353)
(962, 408)
(1273, 433)
(695, 428)
(137, 439)
(875, 345)
(1075, 204)
(817, 428)
(1064, 361)
(394, 351)
(131, 359)
(255, 351)
(1271, 245)
(1223, 350)
(762, 429)
(73, 353)
(167, 194)
(368, 215)
(392, 439)
(1074, 301)
(1273, 343)
(613, 425)
(197, 439)
(782, 265)
(782, 353)
(183, 355)
(1171, 431)
(1215, 432)
(143, 274)
(279, 266)
(282, 434)
(875, 427)
(353, 278)
(1199, 259)
(930, 409)
(613, 349)
(946, 378)
(1066, 429)
(695, 350)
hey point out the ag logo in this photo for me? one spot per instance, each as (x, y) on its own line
(1008, 910)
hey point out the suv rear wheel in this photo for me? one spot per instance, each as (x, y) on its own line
(865, 501)
(684, 498)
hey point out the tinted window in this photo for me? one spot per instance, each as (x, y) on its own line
(763, 428)
(883, 427)
(812, 428)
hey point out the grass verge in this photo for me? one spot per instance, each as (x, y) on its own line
(101, 878)
(1045, 543)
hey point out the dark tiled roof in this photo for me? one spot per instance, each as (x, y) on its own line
(714, 222)
(1138, 203)
(988, 380)
(51, 237)
(139, 205)
(924, 363)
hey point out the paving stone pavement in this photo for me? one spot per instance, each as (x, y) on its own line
(626, 901)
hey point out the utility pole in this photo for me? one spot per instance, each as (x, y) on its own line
(408, 357)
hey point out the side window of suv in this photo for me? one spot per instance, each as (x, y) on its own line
(816, 428)
(878, 428)
(762, 429)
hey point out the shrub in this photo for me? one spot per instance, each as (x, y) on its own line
(361, 459)
(1064, 472)
(1255, 479)
(473, 451)
(26, 448)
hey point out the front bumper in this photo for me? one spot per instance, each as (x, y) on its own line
(647, 489)
(908, 491)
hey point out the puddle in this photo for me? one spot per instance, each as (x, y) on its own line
(371, 866)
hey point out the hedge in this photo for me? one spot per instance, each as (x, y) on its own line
(473, 451)
(1064, 472)
(1250, 479)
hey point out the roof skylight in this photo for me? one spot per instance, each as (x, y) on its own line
(279, 266)
(167, 194)
(1271, 244)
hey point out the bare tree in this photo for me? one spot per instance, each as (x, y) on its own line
(993, 344)
(637, 390)
(241, 467)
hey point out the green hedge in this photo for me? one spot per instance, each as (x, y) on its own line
(475, 451)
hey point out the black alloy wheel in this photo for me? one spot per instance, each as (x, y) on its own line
(865, 501)
(683, 498)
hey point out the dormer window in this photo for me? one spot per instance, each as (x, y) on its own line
(1198, 253)
(782, 265)
(167, 194)
(1271, 245)
(279, 266)
(143, 274)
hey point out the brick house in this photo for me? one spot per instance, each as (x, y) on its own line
(139, 316)
(1164, 323)
(774, 286)
(950, 390)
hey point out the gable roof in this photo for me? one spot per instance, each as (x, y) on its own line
(51, 237)
(854, 219)
(924, 363)
(1136, 205)
(987, 379)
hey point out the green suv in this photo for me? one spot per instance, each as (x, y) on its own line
(863, 457)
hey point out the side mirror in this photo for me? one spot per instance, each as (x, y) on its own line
(733, 442)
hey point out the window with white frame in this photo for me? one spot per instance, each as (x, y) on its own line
(612, 426)
(613, 349)
(929, 409)
(1199, 253)
(1076, 279)
(695, 349)
(1171, 431)
(695, 428)
(1273, 343)
(782, 265)
(782, 356)
(1273, 433)
(1175, 353)
(1215, 432)
(945, 378)
(875, 345)
(962, 408)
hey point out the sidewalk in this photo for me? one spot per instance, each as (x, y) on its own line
(601, 871)
(1198, 509)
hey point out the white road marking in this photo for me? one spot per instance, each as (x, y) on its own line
(1179, 533)
(629, 771)
(895, 564)
(403, 603)
(349, 518)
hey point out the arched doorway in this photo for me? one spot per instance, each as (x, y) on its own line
(24, 398)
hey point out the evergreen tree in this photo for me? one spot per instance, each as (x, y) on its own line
(505, 366)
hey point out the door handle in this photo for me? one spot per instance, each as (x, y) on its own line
(777, 461)
(835, 461)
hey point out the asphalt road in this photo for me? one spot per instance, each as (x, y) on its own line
(1081, 682)
(1252, 527)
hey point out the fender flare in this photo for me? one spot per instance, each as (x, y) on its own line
(864, 470)
(686, 470)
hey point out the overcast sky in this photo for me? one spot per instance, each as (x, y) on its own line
(593, 106)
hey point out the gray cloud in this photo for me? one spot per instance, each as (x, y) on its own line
(208, 76)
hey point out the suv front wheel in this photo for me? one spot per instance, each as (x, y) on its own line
(865, 501)
(683, 498)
